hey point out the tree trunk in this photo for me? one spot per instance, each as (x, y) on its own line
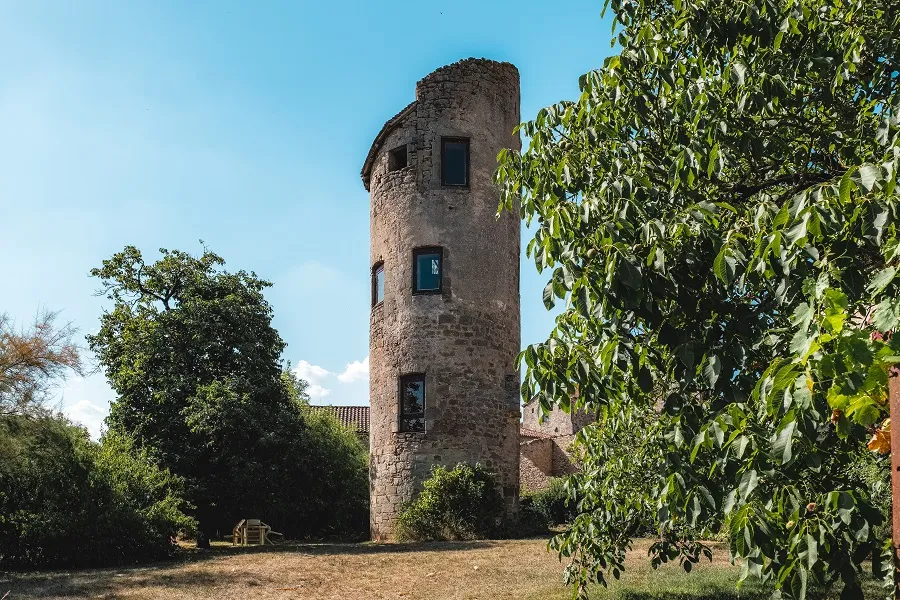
(202, 539)
(203, 529)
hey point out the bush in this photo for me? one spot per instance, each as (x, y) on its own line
(66, 501)
(458, 504)
(554, 502)
(322, 483)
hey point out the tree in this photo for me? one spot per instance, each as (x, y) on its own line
(191, 353)
(194, 360)
(719, 211)
(33, 362)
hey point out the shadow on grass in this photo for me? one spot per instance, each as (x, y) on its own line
(106, 582)
(361, 548)
(89, 583)
(711, 595)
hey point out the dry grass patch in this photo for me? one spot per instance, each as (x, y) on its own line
(521, 569)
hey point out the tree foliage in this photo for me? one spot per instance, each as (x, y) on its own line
(719, 211)
(191, 353)
(66, 501)
(33, 362)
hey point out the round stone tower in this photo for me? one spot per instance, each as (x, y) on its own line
(444, 328)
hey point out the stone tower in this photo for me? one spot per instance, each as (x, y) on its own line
(444, 327)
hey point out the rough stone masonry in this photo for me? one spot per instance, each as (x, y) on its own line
(464, 340)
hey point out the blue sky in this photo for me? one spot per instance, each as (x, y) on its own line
(159, 124)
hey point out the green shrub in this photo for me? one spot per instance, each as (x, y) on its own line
(533, 519)
(458, 504)
(554, 502)
(66, 501)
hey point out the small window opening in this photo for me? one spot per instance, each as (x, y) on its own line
(377, 284)
(427, 270)
(455, 162)
(412, 403)
(397, 159)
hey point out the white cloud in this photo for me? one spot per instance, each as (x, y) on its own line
(85, 400)
(348, 387)
(315, 375)
(310, 372)
(355, 371)
(317, 391)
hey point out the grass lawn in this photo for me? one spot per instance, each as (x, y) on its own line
(520, 569)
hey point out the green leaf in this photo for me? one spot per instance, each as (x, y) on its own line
(548, 296)
(867, 177)
(724, 266)
(630, 274)
(781, 441)
(881, 280)
(844, 188)
(885, 317)
(713, 160)
(583, 300)
(812, 554)
(748, 483)
(711, 370)
(739, 71)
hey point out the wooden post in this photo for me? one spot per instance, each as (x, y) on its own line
(894, 401)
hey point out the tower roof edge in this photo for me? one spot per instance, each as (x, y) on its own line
(386, 130)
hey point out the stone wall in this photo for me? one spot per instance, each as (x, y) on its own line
(556, 423)
(466, 338)
(535, 463)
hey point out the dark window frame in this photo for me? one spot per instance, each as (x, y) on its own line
(456, 140)
(392, 154)
(439, 250)
(401, 415)
(379, 266)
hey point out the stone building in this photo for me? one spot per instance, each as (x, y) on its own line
(545, 444)
(444, 327)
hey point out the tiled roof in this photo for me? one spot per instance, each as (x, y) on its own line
(350, 416)
(531, 433)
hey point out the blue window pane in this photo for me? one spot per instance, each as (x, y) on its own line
(412, 403)
(455, 162)
(428, 271)
(378, 286)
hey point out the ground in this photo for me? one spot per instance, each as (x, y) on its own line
(520, 569)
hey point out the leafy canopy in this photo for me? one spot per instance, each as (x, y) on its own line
(66, 501)
(190, 350)
(718, 210)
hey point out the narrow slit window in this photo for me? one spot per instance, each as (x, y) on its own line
(412, 403)
(427, 270)
(455, 162)
(397, 158)
(377, 284)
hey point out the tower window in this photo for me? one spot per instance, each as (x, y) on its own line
(455, 162)
(412, 403)
(377, 284)
(397, 158)
(427, 269)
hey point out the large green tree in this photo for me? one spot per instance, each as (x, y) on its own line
(191, 353)
(719, 211)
